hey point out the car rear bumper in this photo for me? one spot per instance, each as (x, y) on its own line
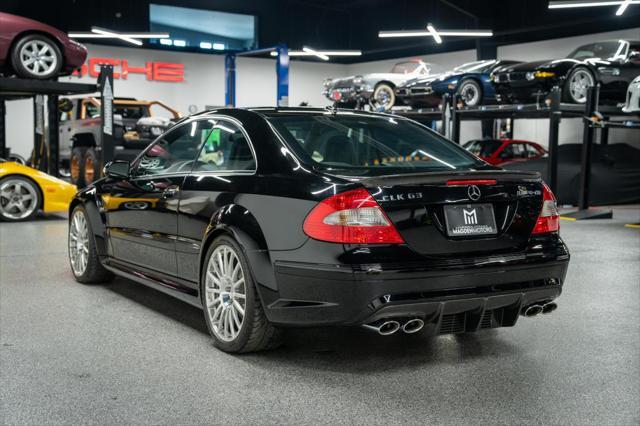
(313, 295)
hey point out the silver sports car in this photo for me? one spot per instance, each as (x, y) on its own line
(377, 89)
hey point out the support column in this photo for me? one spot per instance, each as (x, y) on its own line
(554, 130)
(53, 140)
(282, 72)
(105, 84)
(230, 80)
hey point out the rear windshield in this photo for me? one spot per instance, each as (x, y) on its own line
(483, 148)
(361, 142)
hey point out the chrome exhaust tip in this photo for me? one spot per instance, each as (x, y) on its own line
(413, 326)
(532, 310)
(547, 308)
(383, 328)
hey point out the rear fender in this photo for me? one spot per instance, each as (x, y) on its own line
(237, 221)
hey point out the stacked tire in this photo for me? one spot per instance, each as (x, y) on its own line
(84, 166)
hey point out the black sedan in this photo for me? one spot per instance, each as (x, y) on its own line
(612, 64)
(267, 218)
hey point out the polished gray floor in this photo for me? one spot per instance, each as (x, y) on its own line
(122, 353)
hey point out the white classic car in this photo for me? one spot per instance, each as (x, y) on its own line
(377, 89)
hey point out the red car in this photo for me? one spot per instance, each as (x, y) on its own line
(501, 151)
(31, 49)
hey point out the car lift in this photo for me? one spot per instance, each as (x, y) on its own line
(46, 148)
(282, 73)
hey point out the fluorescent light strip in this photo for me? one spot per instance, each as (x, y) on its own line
(623, 7)
(179, 43)
(324, 52)
(315, 53)
(116, 35)
(132, 35)
(442, 33)
(571, 4)
(434, 33)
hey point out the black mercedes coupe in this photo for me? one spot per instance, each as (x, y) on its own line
(276, 217)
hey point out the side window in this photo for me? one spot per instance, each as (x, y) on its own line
(225, 149)
(532, 152)
(92, 110)
(175, 151)
(507, 152)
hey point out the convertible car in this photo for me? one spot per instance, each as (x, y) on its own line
(471, 81)
(32, 49)
(318, 217)
(378, 89)
(613, 64)
(24, 191)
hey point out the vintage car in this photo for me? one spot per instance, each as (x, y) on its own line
(633, 97)
(472, 81)
(501, 151)
(136, 124)
(24, 191)
(377, 89)
(31, 49)
(613, 64)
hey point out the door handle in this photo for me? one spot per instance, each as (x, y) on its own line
(170, 192)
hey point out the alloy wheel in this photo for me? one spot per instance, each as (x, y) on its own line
(39, 58)
(225, 293)
(18, 199)
(79, 243)
(579, 84)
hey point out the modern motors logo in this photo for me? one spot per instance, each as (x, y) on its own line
(470, 217)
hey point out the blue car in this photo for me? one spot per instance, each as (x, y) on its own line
(471, 81)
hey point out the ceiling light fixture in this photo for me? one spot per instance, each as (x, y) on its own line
(437, 35)
(434, 34)
(623, 7)
(315, 53)
(568, 4)
(133, 38)
(323, 52)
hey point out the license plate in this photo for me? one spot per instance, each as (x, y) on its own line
(470, 220)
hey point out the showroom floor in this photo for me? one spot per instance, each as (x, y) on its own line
(79, 354)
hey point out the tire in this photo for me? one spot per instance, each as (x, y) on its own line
(91, 166)
(383, 97)
(36, 56)
(471, 92)
(20, 198)
(83, 255)
(76, 166)
(578, 94)
(223, 302)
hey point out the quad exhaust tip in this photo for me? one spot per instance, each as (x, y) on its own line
(549, 307)
(388, 327)
(533, 310)
(539, 308)
(413, 326)
(384, 328)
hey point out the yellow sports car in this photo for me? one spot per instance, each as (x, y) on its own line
(24, 191)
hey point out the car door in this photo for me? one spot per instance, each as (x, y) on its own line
(142, 210)
(223, 171)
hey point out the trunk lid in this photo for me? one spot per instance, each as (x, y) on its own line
(428, 209)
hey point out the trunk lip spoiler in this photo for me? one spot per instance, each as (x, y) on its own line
(441, 178)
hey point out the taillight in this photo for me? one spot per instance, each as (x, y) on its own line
(549, 219)
(352, 217)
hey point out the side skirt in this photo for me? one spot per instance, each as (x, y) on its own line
(180, 289)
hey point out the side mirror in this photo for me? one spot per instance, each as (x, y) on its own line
(634, 56)
(65, 104)
(117, 169)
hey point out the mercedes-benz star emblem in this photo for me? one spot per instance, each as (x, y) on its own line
(474, 192)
